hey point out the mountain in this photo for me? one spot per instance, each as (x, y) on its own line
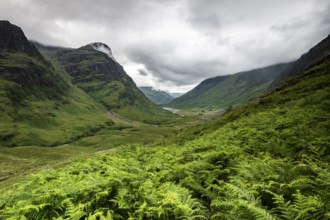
(268, 159)
(38, 106)
(23, 65)
(313, 57)
(230, 90)
(94, 69)
(175, 94)
(12, 39)
(156, 96)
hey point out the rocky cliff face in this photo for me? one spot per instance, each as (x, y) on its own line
(94, 69)
(12, 39)
(26, 69)
(38, 107)
(89, 62)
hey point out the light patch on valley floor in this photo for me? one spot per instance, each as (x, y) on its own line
(103, 151)
(173, 110)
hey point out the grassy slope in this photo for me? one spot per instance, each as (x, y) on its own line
(265, 160)
(225, 91)
(36, 114)
(74, 119)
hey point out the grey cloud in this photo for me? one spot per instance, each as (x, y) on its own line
(324, 13)
(178, 71)
(206, 23)
(292, 26)
(142, 72)
(117, 16)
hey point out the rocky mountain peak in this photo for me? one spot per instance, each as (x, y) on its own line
(13, 39)
(103, 48)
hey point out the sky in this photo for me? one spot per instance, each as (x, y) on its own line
(173, 45)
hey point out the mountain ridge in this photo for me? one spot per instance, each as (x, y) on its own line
(37, 102)
(105, 80)
(312, 57)
(229, 90)
(12, 39)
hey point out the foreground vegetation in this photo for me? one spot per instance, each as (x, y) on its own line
(266, 160)
(17, 162)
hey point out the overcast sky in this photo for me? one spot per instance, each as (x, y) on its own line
(175, 44)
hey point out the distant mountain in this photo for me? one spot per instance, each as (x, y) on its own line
(38, 106)
(94, 69)
(230, 90)
(156, 96)
(175, 94)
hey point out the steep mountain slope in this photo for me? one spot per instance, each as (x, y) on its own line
(314, 56)
(229, 90)
(94, 70)
(37, 105)
(156, 96)
(22, 64)
(268, 159)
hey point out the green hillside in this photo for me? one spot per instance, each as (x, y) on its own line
(230, 90)
(268, 159)
(38, 107)
(156, 96)
(105, 80)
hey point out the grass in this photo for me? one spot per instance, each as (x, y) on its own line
(53, 122)
(40, 108)
(19, 162)
(73, 125)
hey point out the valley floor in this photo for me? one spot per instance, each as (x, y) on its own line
(21, 161)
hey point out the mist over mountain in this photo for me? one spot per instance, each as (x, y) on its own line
(46, 49)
